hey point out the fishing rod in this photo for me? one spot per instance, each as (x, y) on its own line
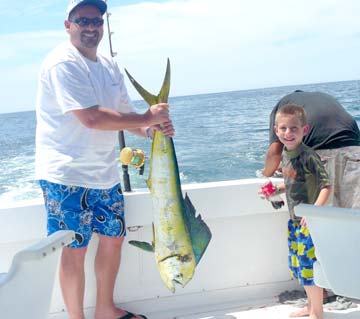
(121, 136)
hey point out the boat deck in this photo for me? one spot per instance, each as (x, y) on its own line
(253, 309)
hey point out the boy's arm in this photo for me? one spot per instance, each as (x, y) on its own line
(280, 188)
(323, 196)
(320, 201)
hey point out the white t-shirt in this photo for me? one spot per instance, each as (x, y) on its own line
(67, 152)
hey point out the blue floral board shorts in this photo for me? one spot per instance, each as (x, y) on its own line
(301, 253)
(84, 210)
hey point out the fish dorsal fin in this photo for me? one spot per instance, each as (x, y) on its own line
(199, 232)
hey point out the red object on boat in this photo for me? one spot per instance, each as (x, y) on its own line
(270, 192)
(268, 189)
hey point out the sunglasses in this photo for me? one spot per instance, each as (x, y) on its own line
(84, 22)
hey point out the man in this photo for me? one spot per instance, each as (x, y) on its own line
(82, 102)
(335, 136)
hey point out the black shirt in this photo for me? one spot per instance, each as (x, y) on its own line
(331, 126)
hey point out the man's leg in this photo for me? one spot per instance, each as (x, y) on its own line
(72, 280)
(107, 262)
(65, 211)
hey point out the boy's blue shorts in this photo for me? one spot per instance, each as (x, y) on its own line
(301, 253)
(84, 210)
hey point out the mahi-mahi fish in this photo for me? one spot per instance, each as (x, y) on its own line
(179, 237)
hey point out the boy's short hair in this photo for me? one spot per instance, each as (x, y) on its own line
(292, 109)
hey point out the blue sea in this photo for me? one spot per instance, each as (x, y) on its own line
(219, 136)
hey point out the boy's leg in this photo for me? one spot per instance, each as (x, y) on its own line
(302, 255)
(315, 297)
(303, 312)
(293, 261)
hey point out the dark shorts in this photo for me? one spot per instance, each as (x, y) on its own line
(84, 210)
(301, 253)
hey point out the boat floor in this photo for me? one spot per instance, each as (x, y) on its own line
(256, 309)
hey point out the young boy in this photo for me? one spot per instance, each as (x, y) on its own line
(305, 181)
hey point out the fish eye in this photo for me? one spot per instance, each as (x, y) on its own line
(185, 258)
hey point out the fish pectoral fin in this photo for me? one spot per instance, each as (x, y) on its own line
(142, 245)
(200, 233)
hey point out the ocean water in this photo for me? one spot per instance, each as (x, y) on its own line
(220, 136)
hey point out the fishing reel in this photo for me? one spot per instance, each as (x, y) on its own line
(133, 157)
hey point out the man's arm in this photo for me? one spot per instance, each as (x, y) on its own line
(272, 159)
(101, 118)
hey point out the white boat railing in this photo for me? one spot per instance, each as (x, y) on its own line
(246, 258)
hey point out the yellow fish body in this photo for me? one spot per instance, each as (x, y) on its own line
(180, 238)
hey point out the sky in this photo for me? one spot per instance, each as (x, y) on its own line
(213, 45)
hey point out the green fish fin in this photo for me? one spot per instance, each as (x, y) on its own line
(200, 233)
(147, 96)
(165, 89)
(142, 245)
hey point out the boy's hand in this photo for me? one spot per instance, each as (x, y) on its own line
(303, 222)
(269, 189)
(262, 195)
(270, 192)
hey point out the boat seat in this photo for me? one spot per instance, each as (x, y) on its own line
(26, 289)
(336, 235)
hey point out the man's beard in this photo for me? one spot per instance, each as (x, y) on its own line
(90, 39)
